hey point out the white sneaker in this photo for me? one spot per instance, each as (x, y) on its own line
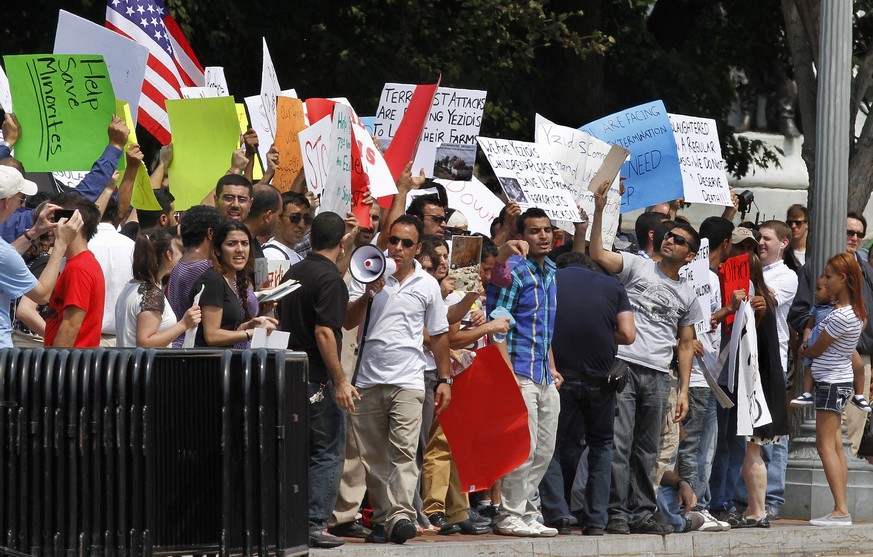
(831, 520)
(711, 524)
(512, 526)
(541, 530)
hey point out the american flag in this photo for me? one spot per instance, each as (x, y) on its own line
(171, 64)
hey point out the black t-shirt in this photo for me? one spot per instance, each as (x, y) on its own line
(321, 300)
(130, 229)
(217, 293)
(588, 304)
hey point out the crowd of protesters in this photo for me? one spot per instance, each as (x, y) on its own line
(626, 433)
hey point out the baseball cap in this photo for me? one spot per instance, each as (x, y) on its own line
(12, 182)
(741, 234)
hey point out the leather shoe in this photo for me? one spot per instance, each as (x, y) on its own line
(478, 518)
(562, 525)
(592, 531)
(403, 530)
(471, 528)
(377, 535)
(324, 540)
(440, 521)
(350, 530)
(617, 526)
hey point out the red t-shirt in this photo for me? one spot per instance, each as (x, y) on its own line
(81, 285)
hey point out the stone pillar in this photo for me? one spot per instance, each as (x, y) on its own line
(806, 490)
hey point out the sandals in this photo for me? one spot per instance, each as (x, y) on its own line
(806, 400)
(861, 403)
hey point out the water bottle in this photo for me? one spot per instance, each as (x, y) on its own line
(498, 313)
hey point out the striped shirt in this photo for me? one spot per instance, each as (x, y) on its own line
(530, 298)
(182, 277)
(834, 365)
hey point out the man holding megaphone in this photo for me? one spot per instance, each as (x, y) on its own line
(394, 310)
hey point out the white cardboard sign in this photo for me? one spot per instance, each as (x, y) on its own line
(270, 90)
(453, 122)
(5, 93)
(704, 179)
(215, 79)
(475, 201)
(697, 274)
(315, 149)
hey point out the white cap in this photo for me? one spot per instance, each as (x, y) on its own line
(12, 182)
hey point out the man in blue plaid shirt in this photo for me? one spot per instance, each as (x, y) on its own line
(530, 298)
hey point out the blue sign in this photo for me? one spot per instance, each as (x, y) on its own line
(368, 122)
(653, 173)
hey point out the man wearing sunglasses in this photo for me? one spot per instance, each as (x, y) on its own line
(431, 213)
(797, 218)
(665, 309)
(294, 222)
(390, 378)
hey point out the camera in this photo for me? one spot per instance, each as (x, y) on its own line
(745, 201)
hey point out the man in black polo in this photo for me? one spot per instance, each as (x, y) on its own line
(586, 397)
(313, 314)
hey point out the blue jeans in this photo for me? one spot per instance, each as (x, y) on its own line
(637, 441)
(327, 434)
(706, 453)
(668, 504)
(700, 423)
(727, 465)
(587, 414)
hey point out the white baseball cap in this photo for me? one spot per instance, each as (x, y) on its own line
(12, 182)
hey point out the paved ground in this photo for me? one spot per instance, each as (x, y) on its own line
(786, 537)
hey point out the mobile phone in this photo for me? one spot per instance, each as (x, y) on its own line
(63, 214)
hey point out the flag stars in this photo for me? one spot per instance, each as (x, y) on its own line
(116, 3)
(151, 9)
(160, 10)
(158, 35)
(143, 22)
(140, 9)
(155, 21)
(129, 11)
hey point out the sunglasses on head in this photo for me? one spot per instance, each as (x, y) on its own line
(678, 239)
(297, 217)
(407, 243)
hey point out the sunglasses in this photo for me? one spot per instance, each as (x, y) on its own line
(678, 239)
(436, 218)
(795, 222)
(854, 233)
(394, 240)
(297, 217)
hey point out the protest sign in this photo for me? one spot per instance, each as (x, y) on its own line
(205, 134)
(752, 409)
(653, 174)
(314, 146)
(466, 255)
(486, 394)
(454, 120)
(578, 156)
(5, 94)
(259, 122)
(257, 171)
(198, 92)
(289, 122)
(214, 76)
(703, 169)
(405, 142)
(368, 122)
(337, 194)
(529, 177)
(270, 91)
(696, 274)
(143, 196)
(70, 178)
(65, 103)
(475, 201)
(125, 59)
(734, 274)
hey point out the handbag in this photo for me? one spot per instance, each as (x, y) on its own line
(617, 376)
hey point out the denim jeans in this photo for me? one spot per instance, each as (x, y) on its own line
(587, 415)
(327, 435)
(668, 504)
(727, 465)
(706, 453)
(698, 423)
(637, 441)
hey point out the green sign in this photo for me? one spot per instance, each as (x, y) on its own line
(65, 104)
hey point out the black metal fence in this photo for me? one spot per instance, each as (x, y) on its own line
(129, 452)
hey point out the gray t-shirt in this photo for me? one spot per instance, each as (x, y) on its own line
(661, 305)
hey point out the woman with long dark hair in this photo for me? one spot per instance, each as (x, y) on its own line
(227, 320)
(142, 315)
(833, 376)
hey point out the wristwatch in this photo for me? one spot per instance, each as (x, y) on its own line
(447, 380)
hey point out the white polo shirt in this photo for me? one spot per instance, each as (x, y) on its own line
(393, 353)
(783, 283)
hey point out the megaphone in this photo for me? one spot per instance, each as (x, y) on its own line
(369, 264)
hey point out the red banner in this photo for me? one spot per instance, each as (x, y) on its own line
(734, 274)
(486, 422)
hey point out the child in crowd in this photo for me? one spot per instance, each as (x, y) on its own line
(823, 306)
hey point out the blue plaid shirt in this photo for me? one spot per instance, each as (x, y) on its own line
(530, 298)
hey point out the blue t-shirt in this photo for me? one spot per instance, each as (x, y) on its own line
(818, 313)
(15, 281)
